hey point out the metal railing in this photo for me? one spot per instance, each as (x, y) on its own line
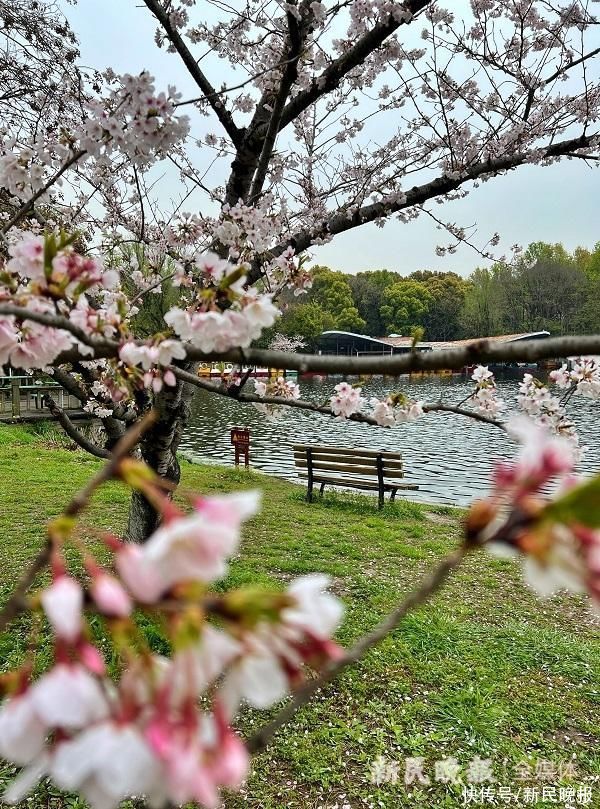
(20, 396)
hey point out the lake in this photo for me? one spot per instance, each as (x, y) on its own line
(448, 456)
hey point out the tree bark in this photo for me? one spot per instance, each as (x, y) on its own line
(159, 450)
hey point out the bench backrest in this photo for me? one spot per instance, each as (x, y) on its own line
(362, 462)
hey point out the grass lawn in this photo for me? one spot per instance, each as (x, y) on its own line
(485, 669)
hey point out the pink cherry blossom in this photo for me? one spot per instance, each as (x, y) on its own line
(141, 576)
(196, 547)
(63, 603)
(8, 338)
(22, 731)
(27, 257)
(274, 653)
(107, 763)
(110, 596)
(346, 400)
(38, 346)
(68, 696)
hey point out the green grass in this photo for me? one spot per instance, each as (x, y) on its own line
(483, 669)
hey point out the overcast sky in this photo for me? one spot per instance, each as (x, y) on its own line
(557, 203)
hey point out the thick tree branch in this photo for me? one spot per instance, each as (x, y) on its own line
(295, 42)
(342, 221)
(351, 59)
(429, 585)
(479, 351)
(222, 113)
(70, 384)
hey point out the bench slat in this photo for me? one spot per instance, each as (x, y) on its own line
(357, 482)
(351, 469)
(359, 460)
(372, 453)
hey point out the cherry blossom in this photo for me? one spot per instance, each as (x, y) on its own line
(280, 388)
(514, 519)
(346, 400)
(485, 398)
(109, 595)
(537, 402)
(63, 604)
(273, 654)
(145, 733)
(68, 697)
(107, 763)
(395, 409)
(584, 377)
(22, 731)
(196, 547)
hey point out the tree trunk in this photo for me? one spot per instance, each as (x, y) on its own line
(159, 450)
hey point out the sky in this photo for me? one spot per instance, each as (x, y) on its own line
(532, 203)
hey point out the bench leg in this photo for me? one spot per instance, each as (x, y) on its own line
(381, 500)
(321, 490)
(393, 495)
(309, 493)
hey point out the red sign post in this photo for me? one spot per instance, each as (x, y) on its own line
(240, 438)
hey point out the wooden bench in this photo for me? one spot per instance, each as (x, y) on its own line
(351, 468)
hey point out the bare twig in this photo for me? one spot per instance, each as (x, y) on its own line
(195, 72)
(429, 585)
(16, 602)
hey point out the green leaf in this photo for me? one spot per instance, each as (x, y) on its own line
(580, 504)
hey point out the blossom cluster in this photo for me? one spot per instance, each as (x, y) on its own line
(346, 400)
(279, 388)
(583, 377)
(47, 274)
(23, 167)
(152, 359)
(536, 400)
(396, 408)
(160, 727)
(134, 119)
(224, 314)
(557, 536)
(485, 399)
(27, 344)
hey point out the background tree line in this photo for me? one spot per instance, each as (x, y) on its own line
(546, 288)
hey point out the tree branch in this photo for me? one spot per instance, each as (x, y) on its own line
(57, 322)
(224, 116)
(341, 221)
(295, 40)
(301, 404)
(354, 57)
(429, 585)
(476, 352)
(72, 431)
(70, 384)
